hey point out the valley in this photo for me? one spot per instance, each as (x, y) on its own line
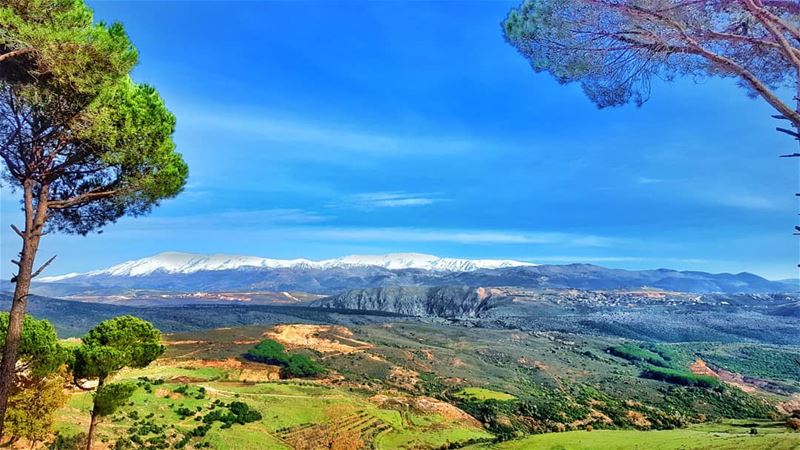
(427, 386)
(441, 365)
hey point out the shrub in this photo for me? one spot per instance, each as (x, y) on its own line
(74, 442)
(679, 377)
(633, 352)
(302, 366)
(268, 352)
(271, 352)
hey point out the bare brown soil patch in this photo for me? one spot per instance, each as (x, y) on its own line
(790, 406)
(166, 393)
(322, 338)
(638, 419)
(229, 363)
(538, 365)
(405, 378)
(259, 375)
(458, 363)
(425, 405)
(236, 370)
(186, 380)
(594, 416)
(699, 367)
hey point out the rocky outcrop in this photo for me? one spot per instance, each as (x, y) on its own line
(418, 301)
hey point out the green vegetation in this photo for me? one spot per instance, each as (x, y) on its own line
(109, 397)
(482, 394)
(104, 145)
(269, 351)
(32, 408)
(39, 380)
(778, 364)
(290, 411)
(656, 364)
(680, 377)
(40, 352)
(533, 384)
(711, 436)
(634, 352)
(112, 345)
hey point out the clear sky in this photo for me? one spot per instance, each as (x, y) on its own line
(320, 129)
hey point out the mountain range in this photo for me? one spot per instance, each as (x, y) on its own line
(184, 263)
(186, 272)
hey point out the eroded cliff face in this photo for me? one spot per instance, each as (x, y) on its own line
(447, 301)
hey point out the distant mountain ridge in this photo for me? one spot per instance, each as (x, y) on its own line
(183, 263)
(184, 272)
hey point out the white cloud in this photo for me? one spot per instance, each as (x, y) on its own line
(393, 199)
(457, 236)
(225, 220)
(744, 201)
(324, 135)
(648, 180)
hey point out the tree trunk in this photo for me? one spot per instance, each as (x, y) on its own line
(34, 222)
(93, 422)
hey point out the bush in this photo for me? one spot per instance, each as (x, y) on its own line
(237, 413)
(184, 412)
(302, 366)
(74, 442)
(271, 352)
(633, 352)
(679, 377)
(268, 352)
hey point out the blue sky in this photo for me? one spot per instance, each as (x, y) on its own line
(319, 129)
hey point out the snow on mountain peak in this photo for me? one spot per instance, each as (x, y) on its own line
(181, 263)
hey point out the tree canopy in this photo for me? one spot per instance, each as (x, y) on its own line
(124, 341)
(615, 48)
(84, 142)
(109, 397)
(32, 409)
(40, 351)
(270, 351)
(96, 144)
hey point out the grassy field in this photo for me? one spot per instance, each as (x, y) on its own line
(414, 386)
(712, 436)
(483, 394)
(292, 411)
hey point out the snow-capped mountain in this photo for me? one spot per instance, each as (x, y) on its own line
(186, 263)
(187, 272)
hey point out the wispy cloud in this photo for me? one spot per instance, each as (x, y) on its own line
(227, 220)
(648, 180)
(325, 135)
(743, 201)
(457, 236)
(392, 199)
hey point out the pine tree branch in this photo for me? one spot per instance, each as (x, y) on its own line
(47, 263)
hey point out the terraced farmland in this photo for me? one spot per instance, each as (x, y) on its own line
(360, 428)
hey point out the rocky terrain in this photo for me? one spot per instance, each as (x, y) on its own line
(647, 315)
